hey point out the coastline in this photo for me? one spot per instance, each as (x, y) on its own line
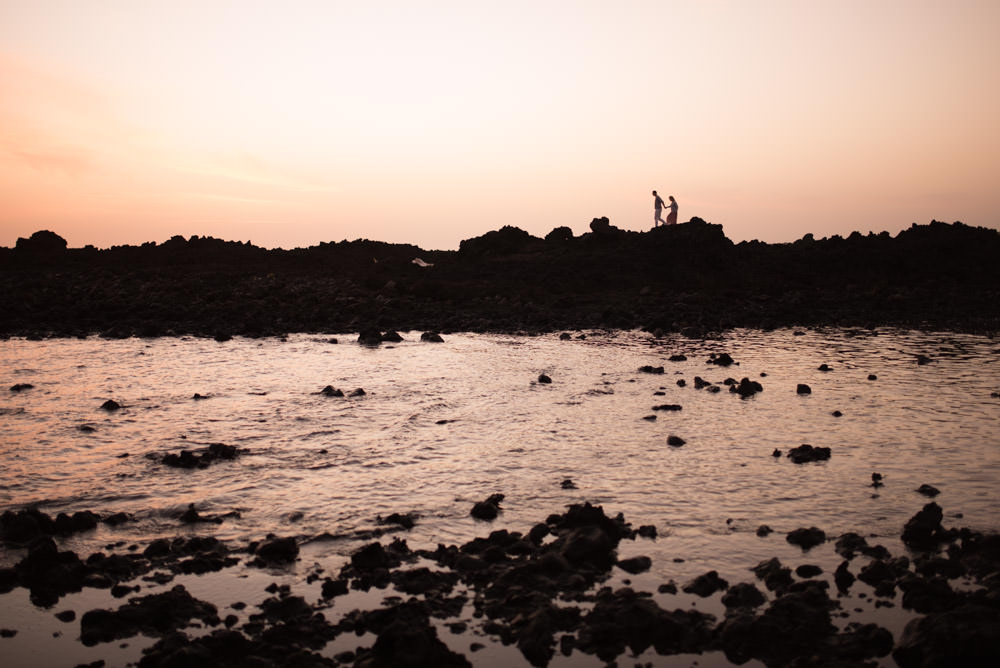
(686, 278)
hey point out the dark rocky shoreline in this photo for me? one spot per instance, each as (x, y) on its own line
(687, 278)
(540, 591)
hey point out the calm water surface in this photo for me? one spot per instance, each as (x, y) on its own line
(444, 425)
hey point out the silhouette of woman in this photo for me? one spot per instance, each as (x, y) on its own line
(672, 216)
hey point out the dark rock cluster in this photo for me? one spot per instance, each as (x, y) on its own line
(541, 592)
(686, 278)
(201, 458)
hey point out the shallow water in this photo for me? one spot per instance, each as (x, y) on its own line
(318, 464)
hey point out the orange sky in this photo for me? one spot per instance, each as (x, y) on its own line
(290, 123)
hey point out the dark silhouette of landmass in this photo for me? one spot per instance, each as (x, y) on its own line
(687, 278)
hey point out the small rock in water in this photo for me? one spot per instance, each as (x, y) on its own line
(565, 336)
(776, 453)
(802, 388)
(542, 378)
(806, 538)
(807, 453)
(568, 484)
(431, 337)
(872, 376)
(370, 337)
(405, 520)
(836, 414)
(647, 531)
(20, 387)
(649, 417)
(681, 382)
(706, 584)
(357, 393)
(675, 441)
(877, 480)
(842, 577)
(700, 382)
(278, 550)
(928, 490)
(635, 564)
(678, 358)
(651, 369)
(199, 396)
(392, 336)
(823, 367)
(487, 509)
(808, 571)
(722, 359)
(746, 388)
(923, 359)
(743, 595)
(667, 407)
(331, 391)
(111, 405)
(764, 530)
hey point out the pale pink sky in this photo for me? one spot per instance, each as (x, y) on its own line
(290, 123)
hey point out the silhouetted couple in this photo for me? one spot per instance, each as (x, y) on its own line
(658, 207)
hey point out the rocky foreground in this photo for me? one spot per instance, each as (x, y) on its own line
(539, 590)
(687, 277)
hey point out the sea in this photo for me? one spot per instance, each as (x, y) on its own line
(440, 426)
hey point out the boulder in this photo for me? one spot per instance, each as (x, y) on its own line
(743, 595)
(706, 584)
(278, 550)
(924, 531)
(370, 337)
(722, 359)
(807, 453)
(431, 337)
(746, 388)
(635, 564)
(808, 571)
(966, 636)
(802, 388)
(806, 538)
(488, 509)
(842, 577)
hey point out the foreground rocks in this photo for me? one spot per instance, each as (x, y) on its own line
(544, 592)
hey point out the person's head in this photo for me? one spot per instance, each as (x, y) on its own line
(670, 197)
(654, 193)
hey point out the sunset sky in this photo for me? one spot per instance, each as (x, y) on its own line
(290, 123)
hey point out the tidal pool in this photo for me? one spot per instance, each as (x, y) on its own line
(443, 425)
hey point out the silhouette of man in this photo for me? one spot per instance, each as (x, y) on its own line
(672, 216)
(658, 210)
